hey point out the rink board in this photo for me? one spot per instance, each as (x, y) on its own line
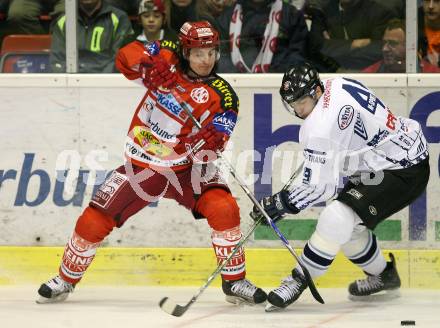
(75, 125)
(73, 135)
(192, 266)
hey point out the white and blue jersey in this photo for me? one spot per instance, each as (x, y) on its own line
(350, 130)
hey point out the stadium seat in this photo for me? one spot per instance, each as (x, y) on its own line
(25, 43)
(25, 53)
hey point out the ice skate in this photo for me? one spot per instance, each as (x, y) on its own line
(54, 291)
(243, 291)
(383, 286)
(289, 291)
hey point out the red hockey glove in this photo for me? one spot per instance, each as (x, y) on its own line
(202, 147)
(155, 71)
(162, 75)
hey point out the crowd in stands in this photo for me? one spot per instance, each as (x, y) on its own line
(257, 35)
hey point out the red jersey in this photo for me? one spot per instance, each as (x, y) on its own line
(160, 121)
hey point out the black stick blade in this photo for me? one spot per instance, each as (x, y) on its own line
(312, 287)
(171, 307)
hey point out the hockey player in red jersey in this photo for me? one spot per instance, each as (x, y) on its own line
(167, 156)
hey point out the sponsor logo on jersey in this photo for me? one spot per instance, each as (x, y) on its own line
(168, 44)
(315, 156)
(372, 103)
(378, 137)
(144, 157)
(145, 110)
(359, 128)
(200, 95)
(180, 88)
(345, 116)
(327, 94)
(225, 122)
(150, 143)
(224, 90)
(148, 104)
(160, 132)
(168, 102)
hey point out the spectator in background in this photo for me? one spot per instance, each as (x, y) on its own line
(210, 10)
(349, 32)
(397, 6)
(101, 30)
(3, 12)
(259, 43)
(394, 52)
(129, 6)
(23, 15)
(429, 31)
(4, 6)
(153, 18)
(182, 11)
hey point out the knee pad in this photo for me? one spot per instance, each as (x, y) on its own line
(336, 222)
(93, 225)
(220, 209)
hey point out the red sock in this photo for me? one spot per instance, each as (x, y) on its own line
(224, 242)
(91, 228)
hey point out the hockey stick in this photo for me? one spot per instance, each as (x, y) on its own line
(251, 196)
(171, 307)
(177, 310)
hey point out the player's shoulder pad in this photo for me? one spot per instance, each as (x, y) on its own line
(168, 44)
(228, 97)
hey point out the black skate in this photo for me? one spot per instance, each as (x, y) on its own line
(239, 291)
(371, 287)
(289, 291)
(54, 291)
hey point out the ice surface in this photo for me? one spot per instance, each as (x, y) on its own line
(132, 307)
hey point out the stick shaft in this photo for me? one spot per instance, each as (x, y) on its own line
(251, 196)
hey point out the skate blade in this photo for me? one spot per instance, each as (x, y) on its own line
(379, 297)
(272, 308)
(238, 300)
(57, 299)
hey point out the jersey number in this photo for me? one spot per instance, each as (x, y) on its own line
(368, 101)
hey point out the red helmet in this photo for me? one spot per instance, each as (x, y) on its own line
(198, 35)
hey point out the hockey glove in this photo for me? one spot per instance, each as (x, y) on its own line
(155, 71)
(276, 206)
(162, 75)
(203, 146)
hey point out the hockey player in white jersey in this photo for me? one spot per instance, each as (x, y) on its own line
(347, 131)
